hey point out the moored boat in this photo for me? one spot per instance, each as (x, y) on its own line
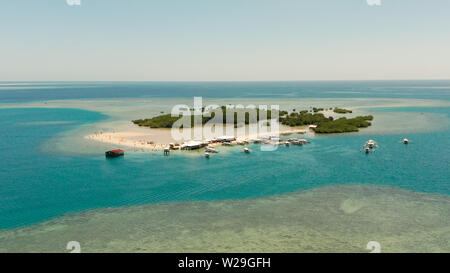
(211, 150)
(371, 144)
(115, 153)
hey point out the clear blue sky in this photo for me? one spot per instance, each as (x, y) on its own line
(208, 40)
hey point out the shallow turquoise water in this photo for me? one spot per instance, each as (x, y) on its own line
(36, 186)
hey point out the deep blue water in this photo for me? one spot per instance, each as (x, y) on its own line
(36, 186)
(320, 89)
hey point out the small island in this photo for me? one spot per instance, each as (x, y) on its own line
(323, 124)
(315, 119)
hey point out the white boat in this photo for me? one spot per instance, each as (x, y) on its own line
(405, 141)
(211, 150)
(247, 150)
(207, 155)
(371, 144)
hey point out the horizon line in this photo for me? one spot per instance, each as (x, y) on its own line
(218, 81)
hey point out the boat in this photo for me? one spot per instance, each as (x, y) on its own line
(207, 155)
(211, 150)
(115, 153)
(405, 141)
(371, 144)
(295, 142)
(247, 150)
(367, 150)
(303, 141)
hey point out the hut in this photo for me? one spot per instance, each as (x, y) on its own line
(225, 139)
(192, 145)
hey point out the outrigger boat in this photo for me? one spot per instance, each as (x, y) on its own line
(211, 150)
(371, 144)
(296, 141)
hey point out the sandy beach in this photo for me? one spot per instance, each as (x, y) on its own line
(158, 139)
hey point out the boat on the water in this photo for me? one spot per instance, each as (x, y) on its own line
(247, 150)
(207, 155)
(371, 144)
(115, 153)
(405, 141)
(211, 150)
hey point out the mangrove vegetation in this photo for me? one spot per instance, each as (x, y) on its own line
(323, 124)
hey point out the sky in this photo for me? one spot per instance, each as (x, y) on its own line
(223, 40)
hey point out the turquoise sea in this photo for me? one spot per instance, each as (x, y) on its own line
(37, 185)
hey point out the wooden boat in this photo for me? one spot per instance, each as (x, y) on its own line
(115, 153)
